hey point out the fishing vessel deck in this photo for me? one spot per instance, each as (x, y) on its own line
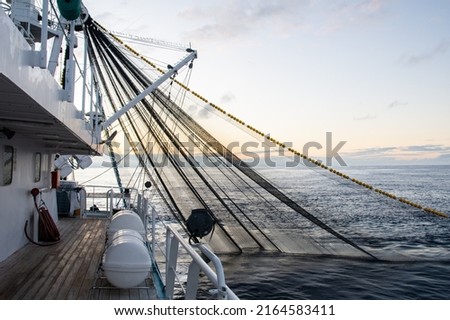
(66, 270)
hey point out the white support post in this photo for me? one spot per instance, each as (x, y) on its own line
(111, 203)
(192, 281)
(44, 35)
(153, 232)
(54, 55)
(70, 66)
(221, 285)
(83, 102)
(171, 266)
(191, 56)
(83, 205)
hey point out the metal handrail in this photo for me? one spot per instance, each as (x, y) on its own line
(6, 7)
(110, 194)
(173, 239)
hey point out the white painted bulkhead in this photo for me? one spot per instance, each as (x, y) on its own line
(31, 105)
(16, 201)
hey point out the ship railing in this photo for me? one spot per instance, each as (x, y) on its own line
(98, 201)
(182, 262)
(27, 17)
(197, 265)
(6, 7)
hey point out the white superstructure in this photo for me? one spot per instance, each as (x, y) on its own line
(36, 120)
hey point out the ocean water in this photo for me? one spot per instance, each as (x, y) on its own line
(413, 247)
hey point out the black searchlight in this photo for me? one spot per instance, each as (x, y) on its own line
(200, 223)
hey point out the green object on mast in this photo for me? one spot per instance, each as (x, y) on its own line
(70, 9)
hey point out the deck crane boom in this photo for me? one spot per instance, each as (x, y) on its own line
(171, 72)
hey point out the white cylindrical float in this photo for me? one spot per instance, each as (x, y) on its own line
(126, 261)
(125, 219)
(125, 232)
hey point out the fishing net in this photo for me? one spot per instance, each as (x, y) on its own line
(261, 194)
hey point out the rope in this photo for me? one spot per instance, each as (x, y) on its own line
(167, 197)
(125, 78)
(48, 231)
(294, 152)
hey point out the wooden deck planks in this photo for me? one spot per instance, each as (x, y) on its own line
(46, 283)
(66, 270)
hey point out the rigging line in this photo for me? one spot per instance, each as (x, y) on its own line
(136, 181)
(166, 112)
(225, 165)
(175, 119)
(157, 132)
(108, 93)
(164, 149)
(171, 159)
(183, 93)
(192, 120)
(254, 190)
(195, 192)
(257, 178)
(175, 123)
(132, 176)
(162, 182)
(319, 164)
(193, 165)
(112, 155)
(161, 126)
(222, 190)
(114, 163)
(111, 151)
(156, 185)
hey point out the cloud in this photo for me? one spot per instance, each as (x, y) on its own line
(107, 16)
(200, 112)
(415, 59)
(445, 157)
(236, 18)
(227, 98)
(343, 13)
(368, 116)
(397, 103)
(417, 153)
(205, 112)
(370, 152)
(231, 19)
(427, 148)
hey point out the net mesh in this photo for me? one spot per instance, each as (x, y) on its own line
(278, 207)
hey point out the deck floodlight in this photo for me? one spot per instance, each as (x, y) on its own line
(200, 223)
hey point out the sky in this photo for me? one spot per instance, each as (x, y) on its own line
(374, 73)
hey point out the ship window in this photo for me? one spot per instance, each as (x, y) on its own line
(8, 159)
(37, 166)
